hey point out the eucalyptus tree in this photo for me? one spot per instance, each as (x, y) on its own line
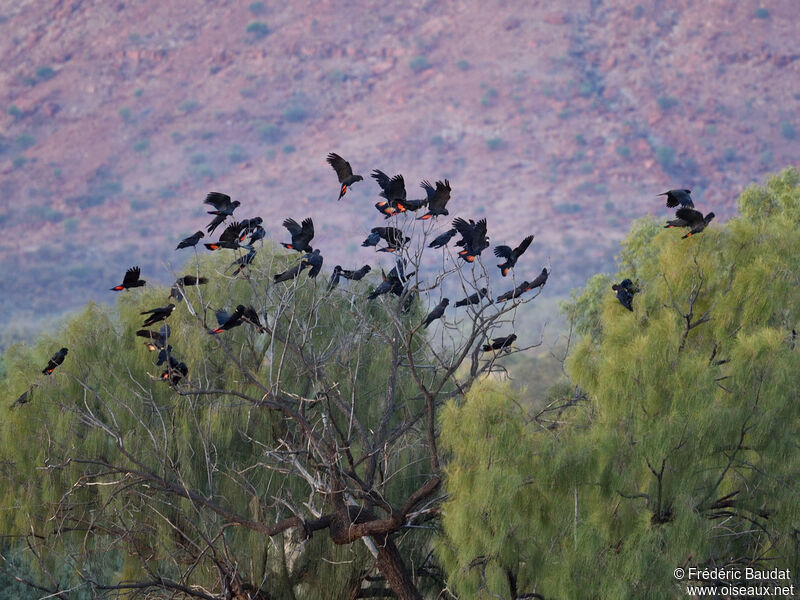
(675, 447)
(298, 458)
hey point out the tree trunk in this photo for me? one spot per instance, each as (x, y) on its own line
(391, 565)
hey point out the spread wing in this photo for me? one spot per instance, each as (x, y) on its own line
(442, 195)
(341, 166)
(131, 276)
(308, 228)
(463, 228)
(689, 215)
(293, 227)
(479, 233)
(231, 233)
(396, 189)
(519, 250)
(429, 189)
(382, 179)
(503, 252)
(218, 200)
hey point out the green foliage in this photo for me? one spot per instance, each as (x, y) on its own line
(126, 114)
(258, 30)
(44, 73)
(237, 154)
(463, 65)
(337, 76)
(15, 112)
(270, 133)
(108, 403)
(189, 106)
(667, 102)
(761, 13)
(257, 8)
(495, 143)
(71, 225)
(25, 141)
(141, 145)
(489, 97)
(297, 111)
(680, 448)
(788, 131)
(419, 63)
(665, 155)
(495, 511)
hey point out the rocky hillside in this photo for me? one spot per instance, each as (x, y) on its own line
(561, 119)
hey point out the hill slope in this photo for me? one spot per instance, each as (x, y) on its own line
(564, 121)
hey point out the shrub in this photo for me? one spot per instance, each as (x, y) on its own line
(137, 204)
(463, 65)
(257, 8)
(270, 133)
(71, 225)
(667, 102)
(761, 13)
(337, 76)
(488, 97)
(288, 149)
(295, 113)
(568, 208)
(419, 63)
(125, 114)
(495, 143)
(788, 131)
(258, 30)
(19, 162)
(167, 192)
(189, 106)
(624, 151)
(45, 73)
(665, 155)
(237, 154)
(141, 145)
(25, 141)
(15, 112)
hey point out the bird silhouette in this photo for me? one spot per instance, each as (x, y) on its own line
(344, 172)
(131, 280)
